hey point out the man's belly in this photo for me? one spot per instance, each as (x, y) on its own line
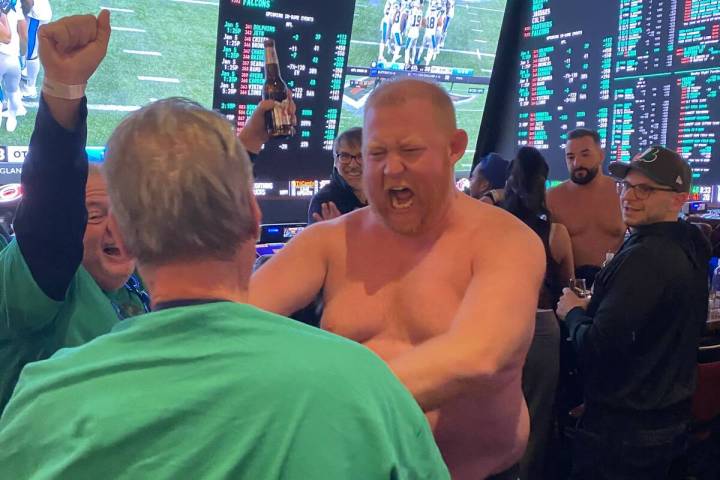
(479, 434)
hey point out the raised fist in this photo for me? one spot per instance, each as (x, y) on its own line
(72, 48)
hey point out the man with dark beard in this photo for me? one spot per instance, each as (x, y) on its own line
(421, 279)
(587, 204)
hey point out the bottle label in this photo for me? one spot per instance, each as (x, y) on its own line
(280, 114)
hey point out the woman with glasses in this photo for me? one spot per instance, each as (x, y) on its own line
(344, 192)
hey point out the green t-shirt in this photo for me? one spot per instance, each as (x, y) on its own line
(33, 326)
(215, 391)
(3, 242)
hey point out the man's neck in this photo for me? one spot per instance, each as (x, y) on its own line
(201, 279)
(593, 184)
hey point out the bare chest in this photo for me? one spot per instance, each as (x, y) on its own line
(590, 215)
(401, 297)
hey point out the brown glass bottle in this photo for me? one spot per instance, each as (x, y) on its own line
(278, 122)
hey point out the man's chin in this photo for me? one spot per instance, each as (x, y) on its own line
(113, 277)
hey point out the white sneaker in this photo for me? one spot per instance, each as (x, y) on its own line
(11, 124)
(21, 111)
(28, 92)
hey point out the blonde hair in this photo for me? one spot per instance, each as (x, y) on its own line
(180, 183)
(400, 90)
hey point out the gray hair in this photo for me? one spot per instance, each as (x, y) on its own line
(180, 183)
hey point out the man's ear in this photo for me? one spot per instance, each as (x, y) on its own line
(458, 145)
(257, 216)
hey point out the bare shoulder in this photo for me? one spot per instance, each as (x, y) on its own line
(558, 190)
(498, 234)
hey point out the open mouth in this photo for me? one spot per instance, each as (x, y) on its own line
(112, 251)
(401, 198)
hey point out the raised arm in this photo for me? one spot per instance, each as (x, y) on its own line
(295, 275)
(491, 332)
(51, 219)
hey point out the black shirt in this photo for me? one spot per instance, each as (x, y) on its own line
(337, 191)
(637, 343)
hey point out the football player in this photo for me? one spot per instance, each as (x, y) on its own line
(385, 25)
(12, 23)
(415, 20)
(39, 14)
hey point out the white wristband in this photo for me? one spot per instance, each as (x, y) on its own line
(62, 90)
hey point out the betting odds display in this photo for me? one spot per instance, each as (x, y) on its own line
(640, 73)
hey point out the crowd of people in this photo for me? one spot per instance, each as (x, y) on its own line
(137, 342)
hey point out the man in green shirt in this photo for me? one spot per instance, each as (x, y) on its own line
(206, 386)
(62, 278)
(65, 279)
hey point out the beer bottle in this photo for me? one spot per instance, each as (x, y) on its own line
(277, 121)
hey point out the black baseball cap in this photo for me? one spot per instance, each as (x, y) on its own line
(659, 164)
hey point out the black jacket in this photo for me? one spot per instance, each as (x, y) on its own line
(337, 191)
(637, 343)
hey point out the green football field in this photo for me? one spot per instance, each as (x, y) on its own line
(471, 43)
(471, 38)
(158, 48)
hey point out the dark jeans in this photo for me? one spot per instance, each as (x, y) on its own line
(612, 450)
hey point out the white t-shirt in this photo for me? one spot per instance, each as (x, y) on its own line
(41, 11)
(12, 48)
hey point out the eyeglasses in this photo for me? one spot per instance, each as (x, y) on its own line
(345, 158)
(642, 191)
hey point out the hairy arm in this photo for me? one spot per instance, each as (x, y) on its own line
(295, 275)
(491, 332)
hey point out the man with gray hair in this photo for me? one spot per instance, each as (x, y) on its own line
(65, 279)
(206, 386)
(421, 279)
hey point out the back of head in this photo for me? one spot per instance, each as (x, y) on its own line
(495, 169)
(180, 184)
(525, 189)
(396, 92)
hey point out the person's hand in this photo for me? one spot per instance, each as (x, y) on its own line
(254, 134)
(328, 211)
(568, 301)
(72, 48)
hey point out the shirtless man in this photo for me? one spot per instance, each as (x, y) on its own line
(422, 278)
(587, 204)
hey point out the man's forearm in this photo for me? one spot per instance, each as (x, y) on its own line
(444, 368)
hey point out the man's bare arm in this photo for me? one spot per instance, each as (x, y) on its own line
(295, 275)
(491, 331)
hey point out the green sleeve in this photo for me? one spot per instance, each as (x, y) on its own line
(23, 305)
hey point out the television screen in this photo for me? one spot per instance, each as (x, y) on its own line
(640, 72)
(332, 55)
(157, 50)
(452, 42)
